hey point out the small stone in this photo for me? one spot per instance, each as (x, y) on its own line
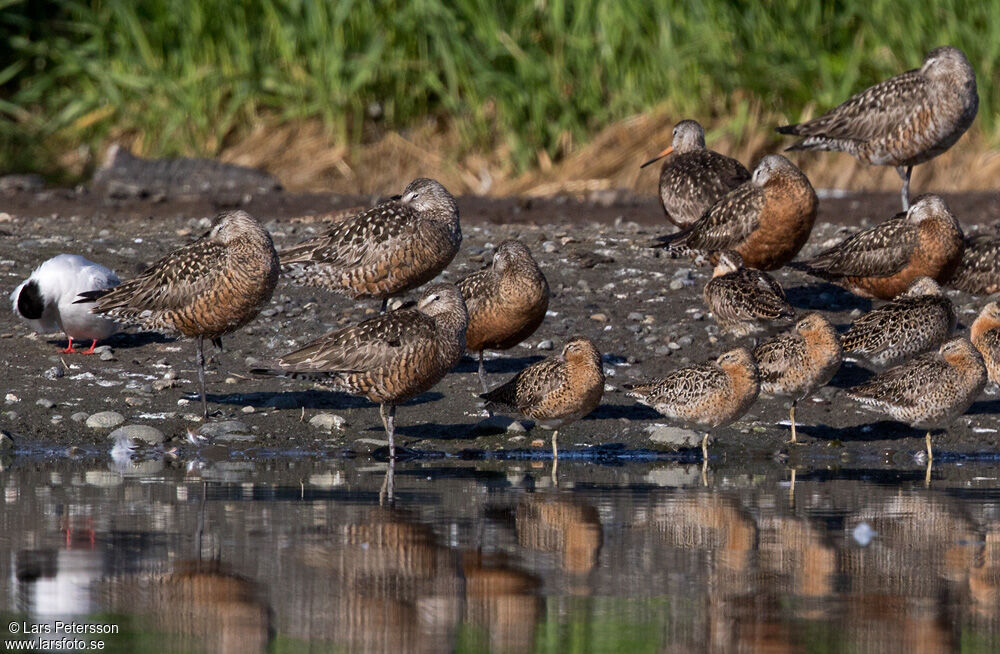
(635, 315)
(79, 416)
(232, 380)
(598, 317)
(55, 372)
(222, 429)
(108, 356)
(676, 285)
(545, 345)
(673, 436)
(101, 349)
(516, 427)
(161, 384)
(10, 398)
(45, 403)
(248, 409)
(105, 420)
(145, 433)
(6, 440)
(328, 421)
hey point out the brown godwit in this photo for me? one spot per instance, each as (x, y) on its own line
(705, 396)
(506, 301)
(985, 335)
(929, 391)
(882, 261)
(978, 272)
(47, 299)
(767, 219)
(915, 322)
(903, 121)
(744, 301)
(390, 358)
(206, 289)
(389, 249)
(555, 391)
(694, 177)
(797, 363)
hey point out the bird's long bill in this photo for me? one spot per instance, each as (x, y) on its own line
(658, 157)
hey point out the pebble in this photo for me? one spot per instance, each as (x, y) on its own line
(673, 436)
(105, 420)
(79, 416)
(145, 433)
(108, 356)
(497, 424)
(10, 398)
(328, 421)
(55, 372)
(45, 403)
(676, 285)
(222, 429)
(598, 317)
(248, 409)
(6, 440)
(545, 345)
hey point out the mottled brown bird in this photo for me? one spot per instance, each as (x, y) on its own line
(744, 301)
(927, 392)
(767, 219)
(555, 391)
(915, 322)
(978, 272)
(390, 358)
(985, 335)
(882, 261)
(705, 396)
(387, 250)
(797, 363)
(507, 301)
(903, 121)
(206, 289)
(693, 178)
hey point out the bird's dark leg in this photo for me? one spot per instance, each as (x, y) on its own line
(388, 418)
(905, 173)
(217, 342)
(385, 304)
(482, 373)
(201, 376)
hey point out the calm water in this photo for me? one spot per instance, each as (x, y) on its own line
(302, 555)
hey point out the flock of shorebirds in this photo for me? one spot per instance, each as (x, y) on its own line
(745, 224)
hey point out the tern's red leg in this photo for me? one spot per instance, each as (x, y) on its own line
(91, 349)
(69, 347)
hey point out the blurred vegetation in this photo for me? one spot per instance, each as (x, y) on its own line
(191, 76)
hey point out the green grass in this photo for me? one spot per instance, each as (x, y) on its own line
(190, 76)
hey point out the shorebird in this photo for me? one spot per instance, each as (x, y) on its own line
(882, 261)
(902, 121)
(206, 289)
(694, 177)
(387, 250)
(506, 301)
(917, 321)
(744, 300)
(985, 335)
(46, 299)
(797, 363)
(390, 358)
(555, 391)
(705, 396)
(978, 272)
(767, 219)
(927, 392)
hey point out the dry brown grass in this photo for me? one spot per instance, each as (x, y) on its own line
(306, 157)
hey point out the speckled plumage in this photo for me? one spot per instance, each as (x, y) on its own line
(206, 289)
(693, 178)
(392, 248)
(766, 220)
(707, 395)
(795, 364)
(902, 121)
(390, 358)
(507, 301)
(985, 335)
(744, 301)
(882, 261)
(555, 391)
(917, 321)
(929, 391)
(978, 272)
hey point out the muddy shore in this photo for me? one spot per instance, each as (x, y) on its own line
(644, 311)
